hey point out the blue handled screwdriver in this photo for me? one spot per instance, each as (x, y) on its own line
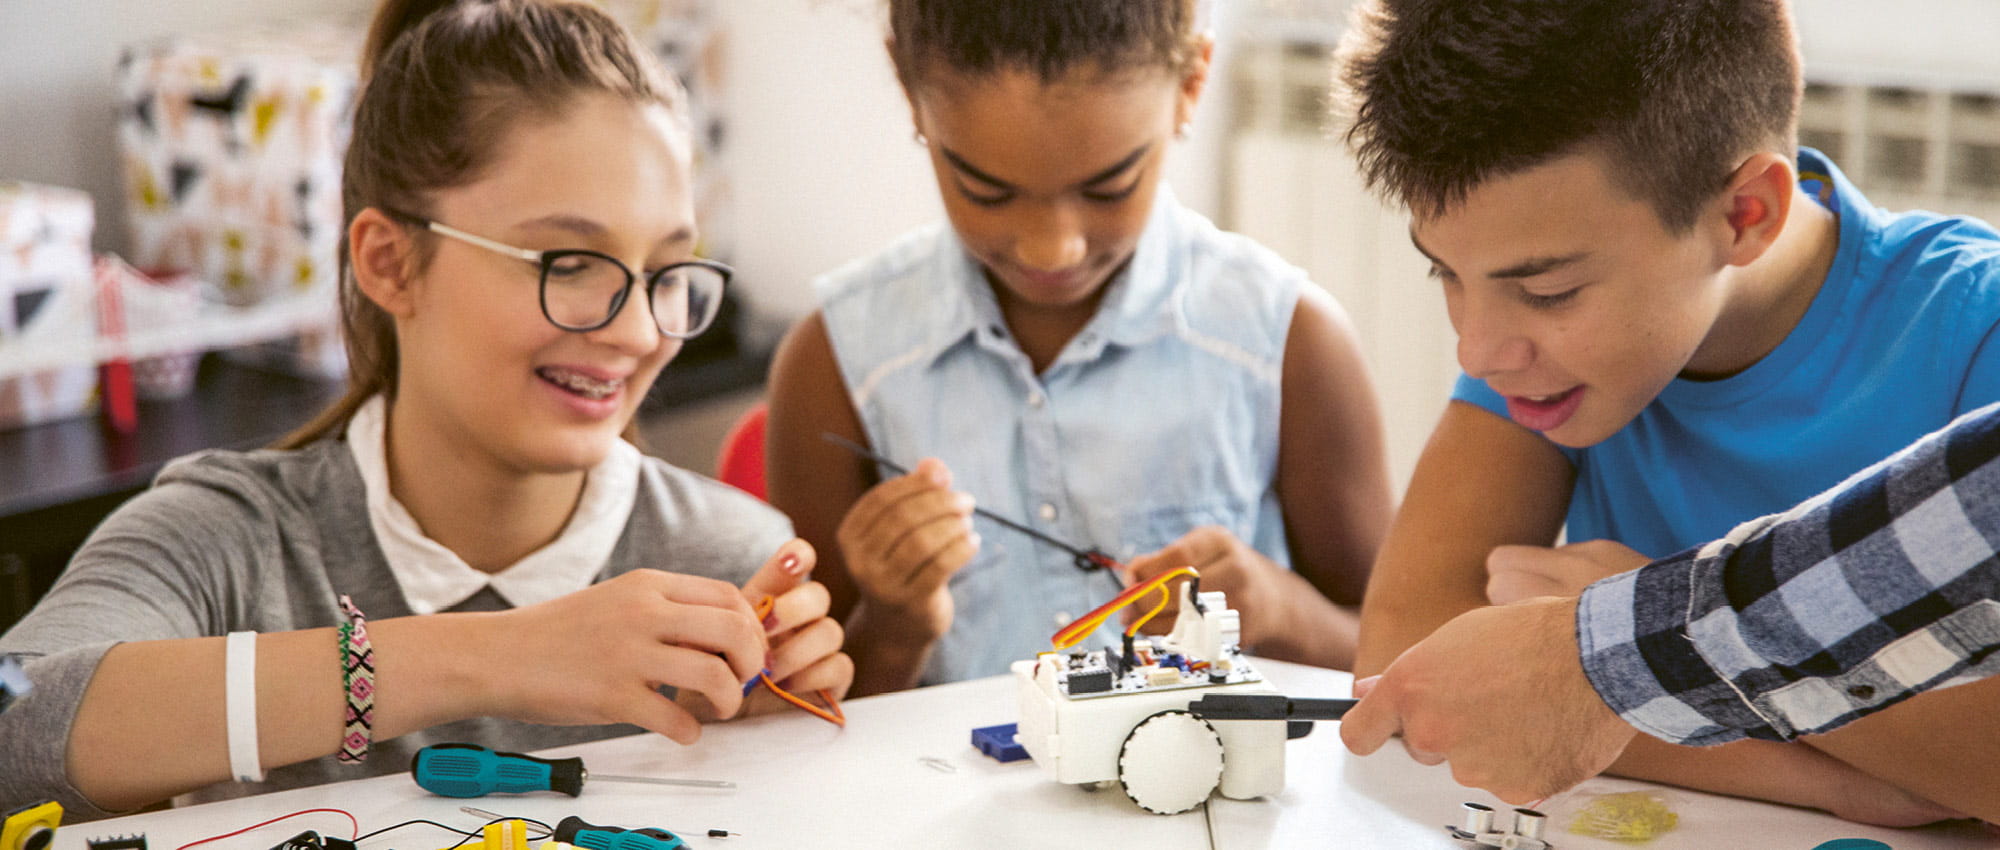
(574, 830)
(470, 770)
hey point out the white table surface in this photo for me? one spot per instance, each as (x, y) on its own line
(805, 784)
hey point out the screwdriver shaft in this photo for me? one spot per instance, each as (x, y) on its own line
(654, 780)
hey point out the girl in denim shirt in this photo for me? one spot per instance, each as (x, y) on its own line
(1081, 351)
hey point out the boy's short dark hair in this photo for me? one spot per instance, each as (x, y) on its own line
(1048, 37)
(1446, 94)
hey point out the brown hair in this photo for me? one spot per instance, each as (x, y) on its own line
(1049, 38)
(1445, 94)
(442, 80)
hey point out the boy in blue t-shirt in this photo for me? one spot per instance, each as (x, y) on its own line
(1671, 320)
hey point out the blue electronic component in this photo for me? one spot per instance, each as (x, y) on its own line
(998, 743)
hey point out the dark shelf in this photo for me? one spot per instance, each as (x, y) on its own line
(60, 479)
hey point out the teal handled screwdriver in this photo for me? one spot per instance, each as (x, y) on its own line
(575, 831)
(470, 770)
(711, 832)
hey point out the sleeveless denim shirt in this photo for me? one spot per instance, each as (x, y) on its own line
(1160, 416)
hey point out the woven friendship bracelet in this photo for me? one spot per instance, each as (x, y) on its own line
(357, 663)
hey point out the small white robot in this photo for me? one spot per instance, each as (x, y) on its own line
(1171, 720)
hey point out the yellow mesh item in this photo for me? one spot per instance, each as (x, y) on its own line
(1626, 816)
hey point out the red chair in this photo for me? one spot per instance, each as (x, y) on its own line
(740, 463)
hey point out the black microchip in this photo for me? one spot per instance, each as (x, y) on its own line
(1093, 682)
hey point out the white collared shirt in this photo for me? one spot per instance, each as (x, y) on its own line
(435, 578)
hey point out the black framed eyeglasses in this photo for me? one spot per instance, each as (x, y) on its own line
(583, 290)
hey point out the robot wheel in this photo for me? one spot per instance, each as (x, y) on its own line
(1170, 762)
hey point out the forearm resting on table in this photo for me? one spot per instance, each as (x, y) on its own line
(1943, 745)
(152, 722)
(1789, 773)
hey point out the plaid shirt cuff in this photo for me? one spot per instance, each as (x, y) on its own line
(1801, 622)
(1638, 654)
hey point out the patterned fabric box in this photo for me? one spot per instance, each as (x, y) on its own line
(688, 38)
(47, 302)
(232, 147)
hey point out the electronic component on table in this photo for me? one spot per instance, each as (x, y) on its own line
(574, 830)
(1123, 714)
(117, 842)
(998, 742)
(470, 770)
(1524, 834)
(30, 827)
(14, 682)
(1100, 673)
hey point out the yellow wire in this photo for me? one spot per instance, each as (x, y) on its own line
(1075, 632)
(1165, 596)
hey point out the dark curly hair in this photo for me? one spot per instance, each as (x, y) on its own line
(1445, 94)
(1048, 37)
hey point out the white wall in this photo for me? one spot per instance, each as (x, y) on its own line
(821, 156)
(57, 105)
(819, 150)
(822, 162)
(1948, 39)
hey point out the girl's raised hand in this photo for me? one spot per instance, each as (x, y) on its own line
(1258, 589)
(903, 540)
(805, 643)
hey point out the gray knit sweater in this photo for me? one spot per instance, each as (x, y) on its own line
(265, 541)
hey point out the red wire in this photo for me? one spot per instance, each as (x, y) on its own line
(356, 833)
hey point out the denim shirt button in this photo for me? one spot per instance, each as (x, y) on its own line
(1047, 511)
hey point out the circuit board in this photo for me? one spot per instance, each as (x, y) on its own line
(1091, 674)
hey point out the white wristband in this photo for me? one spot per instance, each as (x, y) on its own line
(241, 671)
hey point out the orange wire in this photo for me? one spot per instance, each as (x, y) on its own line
(1073, 633)
(831, 714)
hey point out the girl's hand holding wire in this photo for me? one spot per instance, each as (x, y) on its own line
(903, 540)
(1259, 589)
(805, 643)
(599, 655)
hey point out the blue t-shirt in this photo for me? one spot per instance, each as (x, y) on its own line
(1894, 345)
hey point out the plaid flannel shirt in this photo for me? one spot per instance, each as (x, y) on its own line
(1800, 622)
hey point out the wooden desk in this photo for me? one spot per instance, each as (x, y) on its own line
(805, 784)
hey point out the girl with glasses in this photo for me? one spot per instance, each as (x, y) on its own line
(466, 547)
(1080, 352)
